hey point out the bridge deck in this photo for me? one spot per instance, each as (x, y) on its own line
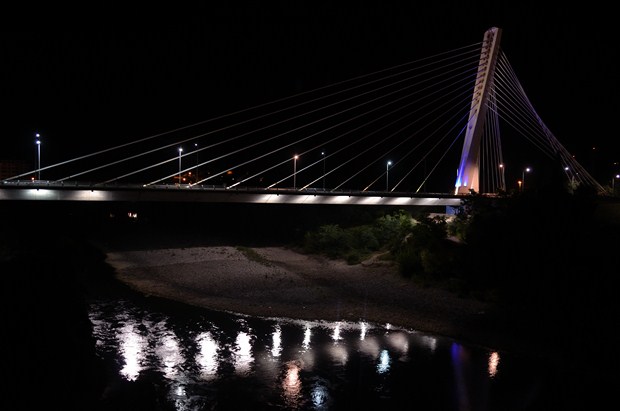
(214, 194)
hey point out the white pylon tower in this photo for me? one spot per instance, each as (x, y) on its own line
(467, 175)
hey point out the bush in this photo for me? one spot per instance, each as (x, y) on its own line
(363, 239)
(390, 229)
(330, 240)
(354, 257)
(355, 242)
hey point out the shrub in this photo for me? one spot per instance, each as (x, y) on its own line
(354, 242)
(354, 257)
(363, 238)
(390, 229)
(330, 240)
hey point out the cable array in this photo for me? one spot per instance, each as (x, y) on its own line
(396, 129)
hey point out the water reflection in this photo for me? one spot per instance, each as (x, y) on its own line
(307, 335)
(336, 334)
(398, 341)
(291, 385)
(428, 342)
(133, 348)
(242, 353)
(169, 354)
(384, 362)
(363, 328)
(276, 348)
(207, 356)
(319, 396)
(370, 347)
(233, 363)
(493, 363)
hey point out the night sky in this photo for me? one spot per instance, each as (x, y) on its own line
(86, 90)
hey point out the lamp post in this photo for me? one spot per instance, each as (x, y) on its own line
(197, 161)
(295, 171)
(526, 170)
(387, 176)
(503, 182)
(323, 154)
(180, 151)
(613, 188)
(38, 142)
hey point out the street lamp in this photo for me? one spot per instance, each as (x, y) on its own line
(527, 170)
(295, 171)
(503, 182)
(197, 161)
(387, 176)
(180, 151)
(613, 190)
(38, 142)
(323, 154)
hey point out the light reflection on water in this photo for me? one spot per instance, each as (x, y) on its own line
(291, 385)
(132, 348)
(242, 353)
(207, 356)
(204, 363)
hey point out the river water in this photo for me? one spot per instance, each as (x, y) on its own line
(166, 356)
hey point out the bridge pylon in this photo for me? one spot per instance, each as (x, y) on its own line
(467, 177)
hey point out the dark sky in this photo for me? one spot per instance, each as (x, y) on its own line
(95, 88)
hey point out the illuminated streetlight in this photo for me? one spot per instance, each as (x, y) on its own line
(295, 172)
(613, 190)
(197, 161)
(503, 182)
(527, 170)
(180, 151)
(323, 154)
(387, 176)
(38, 143)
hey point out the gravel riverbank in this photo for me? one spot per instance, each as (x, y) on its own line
(284, 283)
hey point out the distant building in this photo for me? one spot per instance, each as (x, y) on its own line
(11, 168)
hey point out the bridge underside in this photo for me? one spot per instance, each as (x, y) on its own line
(175, 194)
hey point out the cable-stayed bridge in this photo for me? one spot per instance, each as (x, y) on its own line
(426, 132)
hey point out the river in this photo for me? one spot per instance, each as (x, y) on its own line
(161, 355)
